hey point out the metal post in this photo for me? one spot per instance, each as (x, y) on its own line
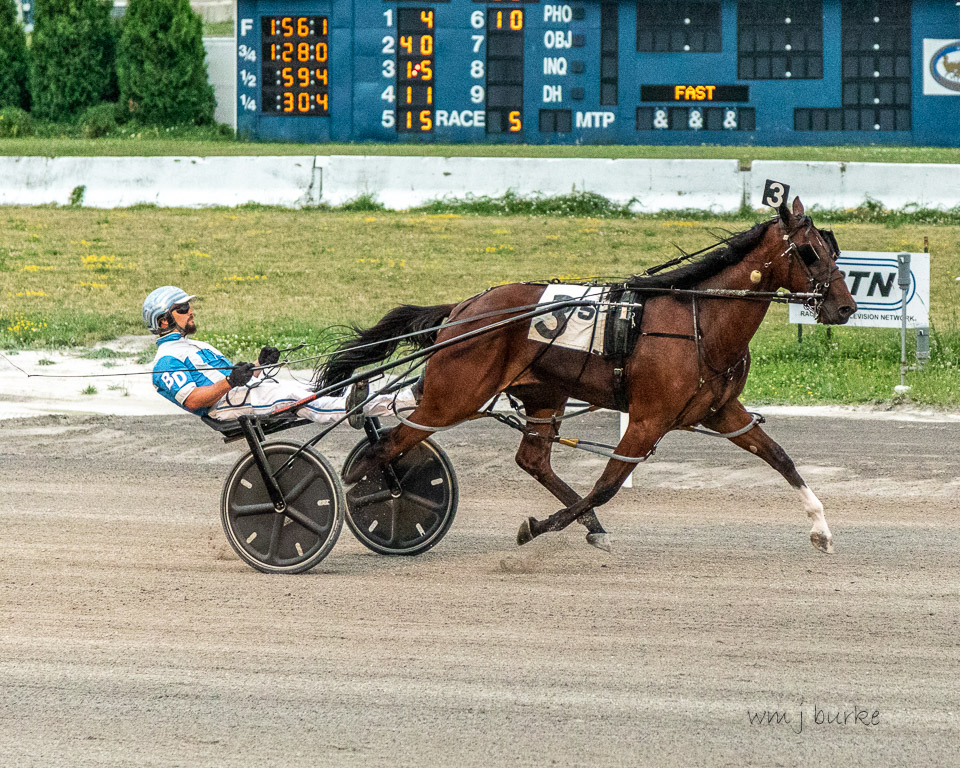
(903, 280)
(624, 421)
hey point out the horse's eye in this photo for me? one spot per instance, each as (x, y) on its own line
(807, 255)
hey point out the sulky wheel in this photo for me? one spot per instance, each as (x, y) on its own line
(297, 539)
(412, 518)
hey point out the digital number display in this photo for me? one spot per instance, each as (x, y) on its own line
(505, 70)
(416, 79)
(694, 93)
(606, 72)
(295, 51)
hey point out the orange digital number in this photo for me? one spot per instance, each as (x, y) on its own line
(287, 75)
(323, 101)
(427, 18)
(303, 75)
(320, 52)
(286, 52)
(409, 120)
(322, 75)
(515, 124)
(429, 94)
(288, 102)
(516, 20)
(426, 69)
(426, 45)
(303, 26)
(286, 26)
(409, 95)
(323, 25)
(303, 52)
(426, 120)
(406, 42)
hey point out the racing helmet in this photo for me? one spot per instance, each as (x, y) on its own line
(160, 302)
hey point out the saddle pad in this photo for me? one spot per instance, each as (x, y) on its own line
(579, 328)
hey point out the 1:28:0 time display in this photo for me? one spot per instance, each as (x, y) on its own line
(295, 52)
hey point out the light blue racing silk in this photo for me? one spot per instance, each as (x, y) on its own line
(182, 365)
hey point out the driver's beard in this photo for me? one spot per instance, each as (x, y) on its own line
(190, 327)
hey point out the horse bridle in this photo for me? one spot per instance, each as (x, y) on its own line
(808, 256)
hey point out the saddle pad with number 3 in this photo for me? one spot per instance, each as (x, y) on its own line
(576, 327)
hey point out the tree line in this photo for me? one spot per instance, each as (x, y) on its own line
(80, 65)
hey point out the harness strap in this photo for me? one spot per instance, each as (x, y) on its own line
(684, 336)
(754, 421)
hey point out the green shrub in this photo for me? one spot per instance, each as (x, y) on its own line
(160, 64)
(15, 122)
(99, 120)
(73, 46)
(14, 70)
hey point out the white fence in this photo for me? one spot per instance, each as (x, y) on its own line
(404, 182)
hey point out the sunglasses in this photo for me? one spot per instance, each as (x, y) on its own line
(181, 309)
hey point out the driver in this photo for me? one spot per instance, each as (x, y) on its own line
(198, 378)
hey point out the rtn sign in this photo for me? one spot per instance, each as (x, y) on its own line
(871, 278)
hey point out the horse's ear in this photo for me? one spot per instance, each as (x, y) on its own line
(797, 207)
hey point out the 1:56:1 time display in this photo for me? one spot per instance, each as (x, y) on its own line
(295, 52)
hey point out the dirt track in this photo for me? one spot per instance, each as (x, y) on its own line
(131, 634)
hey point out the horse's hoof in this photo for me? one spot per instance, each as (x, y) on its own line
(525, 533)
(822, 541)
(600, 541)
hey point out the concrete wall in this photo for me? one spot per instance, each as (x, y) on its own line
(653, 185)
(192, 182)
(405, 182)
(222, 74)
(847, 185)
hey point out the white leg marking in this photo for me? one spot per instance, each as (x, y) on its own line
(820, 535)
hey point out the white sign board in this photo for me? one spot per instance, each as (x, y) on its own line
(872, 279)
(941, 67)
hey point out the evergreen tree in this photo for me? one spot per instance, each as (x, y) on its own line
(14, 71)
(161, 69)
(73, 49)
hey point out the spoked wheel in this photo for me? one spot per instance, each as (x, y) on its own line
(408, 519)
(292, 541)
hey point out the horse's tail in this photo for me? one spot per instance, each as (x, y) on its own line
(374, 345)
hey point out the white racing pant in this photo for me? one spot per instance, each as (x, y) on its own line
(271, 395)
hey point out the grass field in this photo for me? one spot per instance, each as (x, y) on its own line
(200, 143)
(74, 276)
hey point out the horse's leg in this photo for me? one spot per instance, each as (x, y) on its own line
(638, 440)
(732, 417)
(533, 456)
(437, 408)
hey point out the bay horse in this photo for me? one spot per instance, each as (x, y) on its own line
(688, 366)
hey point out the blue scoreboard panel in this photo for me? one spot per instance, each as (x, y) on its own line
(595, 72)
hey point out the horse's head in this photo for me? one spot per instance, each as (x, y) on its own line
(812, 255)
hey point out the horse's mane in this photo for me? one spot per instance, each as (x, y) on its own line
(731, 250)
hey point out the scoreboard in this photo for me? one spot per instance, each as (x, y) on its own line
(600, 71)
